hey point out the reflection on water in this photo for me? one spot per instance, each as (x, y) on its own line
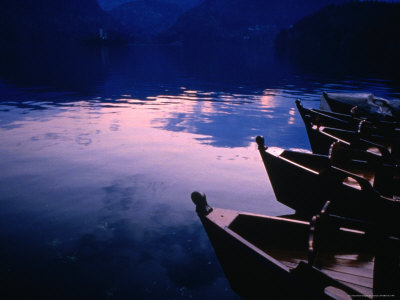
(101, 149)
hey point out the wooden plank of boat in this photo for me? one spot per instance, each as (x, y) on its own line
(361, 104)
(305, 181)
(323, 130)
(264, 256)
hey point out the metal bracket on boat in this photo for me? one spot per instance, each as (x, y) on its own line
(261, 143)
(200, 200)
(338, 152)
(363, 129)
(315, 230)
(364, 132)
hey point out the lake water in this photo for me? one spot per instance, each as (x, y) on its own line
(101, 148)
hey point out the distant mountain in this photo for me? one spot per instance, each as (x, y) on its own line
(362, 35)
(144, 19)
(53, 21)
(111, 4)
(238, 20)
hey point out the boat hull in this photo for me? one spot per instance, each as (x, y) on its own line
(306, 190)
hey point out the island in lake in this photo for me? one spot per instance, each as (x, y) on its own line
(357, 35)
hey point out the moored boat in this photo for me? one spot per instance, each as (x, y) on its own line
(384, 126)
(280, 258)
(323, 129)
(361, 104)
(305, 181)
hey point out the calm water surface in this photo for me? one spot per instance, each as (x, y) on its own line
(100, 150)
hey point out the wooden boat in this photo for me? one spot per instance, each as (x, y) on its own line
(324, 129)
(266, 257)
(317, 117)
(304, 181)
(385, 126)
(361, 104)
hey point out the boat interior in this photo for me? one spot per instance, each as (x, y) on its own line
(323, 119)
(319, 163)
(342, 159)
(348, 121)
(349, 136)
(342, 254)
(336, 115)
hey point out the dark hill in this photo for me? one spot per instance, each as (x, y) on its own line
(42, 21)
(110, 4)
(146, 18)
(238, 20)
(357, 35)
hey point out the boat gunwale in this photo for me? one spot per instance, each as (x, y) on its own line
(289, 160)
